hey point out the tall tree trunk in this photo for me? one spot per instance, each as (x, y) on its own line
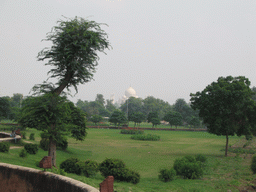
(226, 151)
(52, 151)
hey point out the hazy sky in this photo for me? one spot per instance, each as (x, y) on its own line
(167, 48)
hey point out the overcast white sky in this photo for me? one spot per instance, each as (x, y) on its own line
(167, 48)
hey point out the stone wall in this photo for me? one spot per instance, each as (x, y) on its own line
(23, 179)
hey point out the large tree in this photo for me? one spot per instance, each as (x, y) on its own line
(118, 117)
(226, 107)
(73, 56)
(174, 118)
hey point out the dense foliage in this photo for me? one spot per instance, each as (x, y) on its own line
(226, 107)
(23, 153)
(31, 148)
(116, 168)
(167, 174)
(131, 131)
(188, 167)
(148, 137)
(70, 166)
(89, 168)
(117, 118)
(4, 146)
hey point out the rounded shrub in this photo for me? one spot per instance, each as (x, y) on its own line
(253, 164)
(167, 174)
(116, 168)
(111, 166)
(188, 167)
(131, 176)
(32, 136)
(70, 166)
(31, 148)
(23, 153)
(4, 146)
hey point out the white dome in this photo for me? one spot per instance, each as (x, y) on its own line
(130, 92)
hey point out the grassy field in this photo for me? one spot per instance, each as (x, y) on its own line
(148, 157)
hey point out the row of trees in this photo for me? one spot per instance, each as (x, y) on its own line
(138, 110)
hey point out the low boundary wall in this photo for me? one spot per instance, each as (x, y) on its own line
(7, 138)
(24, 179)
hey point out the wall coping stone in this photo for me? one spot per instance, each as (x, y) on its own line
(81, 185)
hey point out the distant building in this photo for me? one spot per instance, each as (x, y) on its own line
(130, 92)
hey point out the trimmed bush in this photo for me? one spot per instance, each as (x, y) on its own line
(32, 136)
(23, 153)
(131, 131)
(110, 167)
(4, 146)
(253, 165)
(167, 174)
(116, 168)
(188, 167)
(130, 176)
(31, 148)
(148, 137)
(70, 166)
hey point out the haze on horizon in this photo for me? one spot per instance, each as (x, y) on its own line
(166, 49)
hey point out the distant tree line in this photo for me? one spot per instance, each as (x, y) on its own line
(138, 110)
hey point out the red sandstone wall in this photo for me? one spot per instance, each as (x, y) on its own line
(22, 179)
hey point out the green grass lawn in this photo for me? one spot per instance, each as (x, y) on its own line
(148, 157)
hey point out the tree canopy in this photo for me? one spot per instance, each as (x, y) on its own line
(226, 107)
(174, 118)
(118, 117)
(73, 56)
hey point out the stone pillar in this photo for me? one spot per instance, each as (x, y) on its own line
(107, 185)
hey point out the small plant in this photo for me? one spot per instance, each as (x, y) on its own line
(167, 174)
(70, 166)
(188, 167)
(23, 153)
(32, 136)
(4, 147)
(148, 137)
(58, 171)
(253, 164)
(131, 131)
(31, 148)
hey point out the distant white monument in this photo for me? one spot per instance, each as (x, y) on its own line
(130, 92)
